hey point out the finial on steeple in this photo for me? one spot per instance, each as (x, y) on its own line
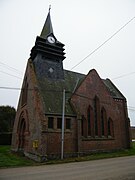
(49, 8)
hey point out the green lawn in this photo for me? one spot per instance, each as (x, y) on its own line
(8, 159)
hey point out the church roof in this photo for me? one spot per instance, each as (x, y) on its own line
(52, 92)
(115, 93)
(47, 28)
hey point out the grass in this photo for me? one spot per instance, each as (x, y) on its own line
(8, 159)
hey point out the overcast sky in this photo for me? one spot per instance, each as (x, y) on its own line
(82, 25)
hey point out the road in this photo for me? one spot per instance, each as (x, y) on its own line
(122, 168)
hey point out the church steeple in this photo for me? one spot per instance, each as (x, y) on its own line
(47, 29)
(48, 53)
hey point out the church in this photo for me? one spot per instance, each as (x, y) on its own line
(62, 113)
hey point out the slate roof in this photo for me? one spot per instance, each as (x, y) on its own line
(115, 93)
(52, 92)
(47, 29)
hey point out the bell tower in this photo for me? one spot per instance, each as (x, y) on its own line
(48, 53)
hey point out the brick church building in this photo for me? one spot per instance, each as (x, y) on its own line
(95, 117)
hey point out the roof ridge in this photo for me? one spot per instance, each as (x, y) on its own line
(74, 72)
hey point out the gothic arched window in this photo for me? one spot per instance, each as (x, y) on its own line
(24, 93)
(103, 122)
(89, 120)
(82, 125)
(110, 128)
(97, 115)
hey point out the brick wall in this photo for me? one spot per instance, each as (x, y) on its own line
(133, 132)
(115, 109)
(32, 113)
(41, 141)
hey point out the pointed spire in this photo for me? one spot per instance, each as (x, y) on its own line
(47, 29)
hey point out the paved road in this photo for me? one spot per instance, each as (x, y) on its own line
(107, 169)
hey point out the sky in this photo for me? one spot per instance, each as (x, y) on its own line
(103, 30)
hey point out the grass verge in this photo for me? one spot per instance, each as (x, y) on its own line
(8, 159)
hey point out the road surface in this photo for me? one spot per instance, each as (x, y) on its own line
(122, 168)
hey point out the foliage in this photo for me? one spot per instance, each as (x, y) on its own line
(5, 138)
(8, 159)
(7, 116)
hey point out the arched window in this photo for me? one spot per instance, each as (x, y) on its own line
(24, 93)
(89, 120)
(103, 122)
(84, 126)
(110, 128)
(97, 115)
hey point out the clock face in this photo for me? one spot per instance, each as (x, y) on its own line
(51, 39)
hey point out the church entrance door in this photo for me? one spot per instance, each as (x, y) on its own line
(22, 130)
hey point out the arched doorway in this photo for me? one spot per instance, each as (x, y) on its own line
(23, 131)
